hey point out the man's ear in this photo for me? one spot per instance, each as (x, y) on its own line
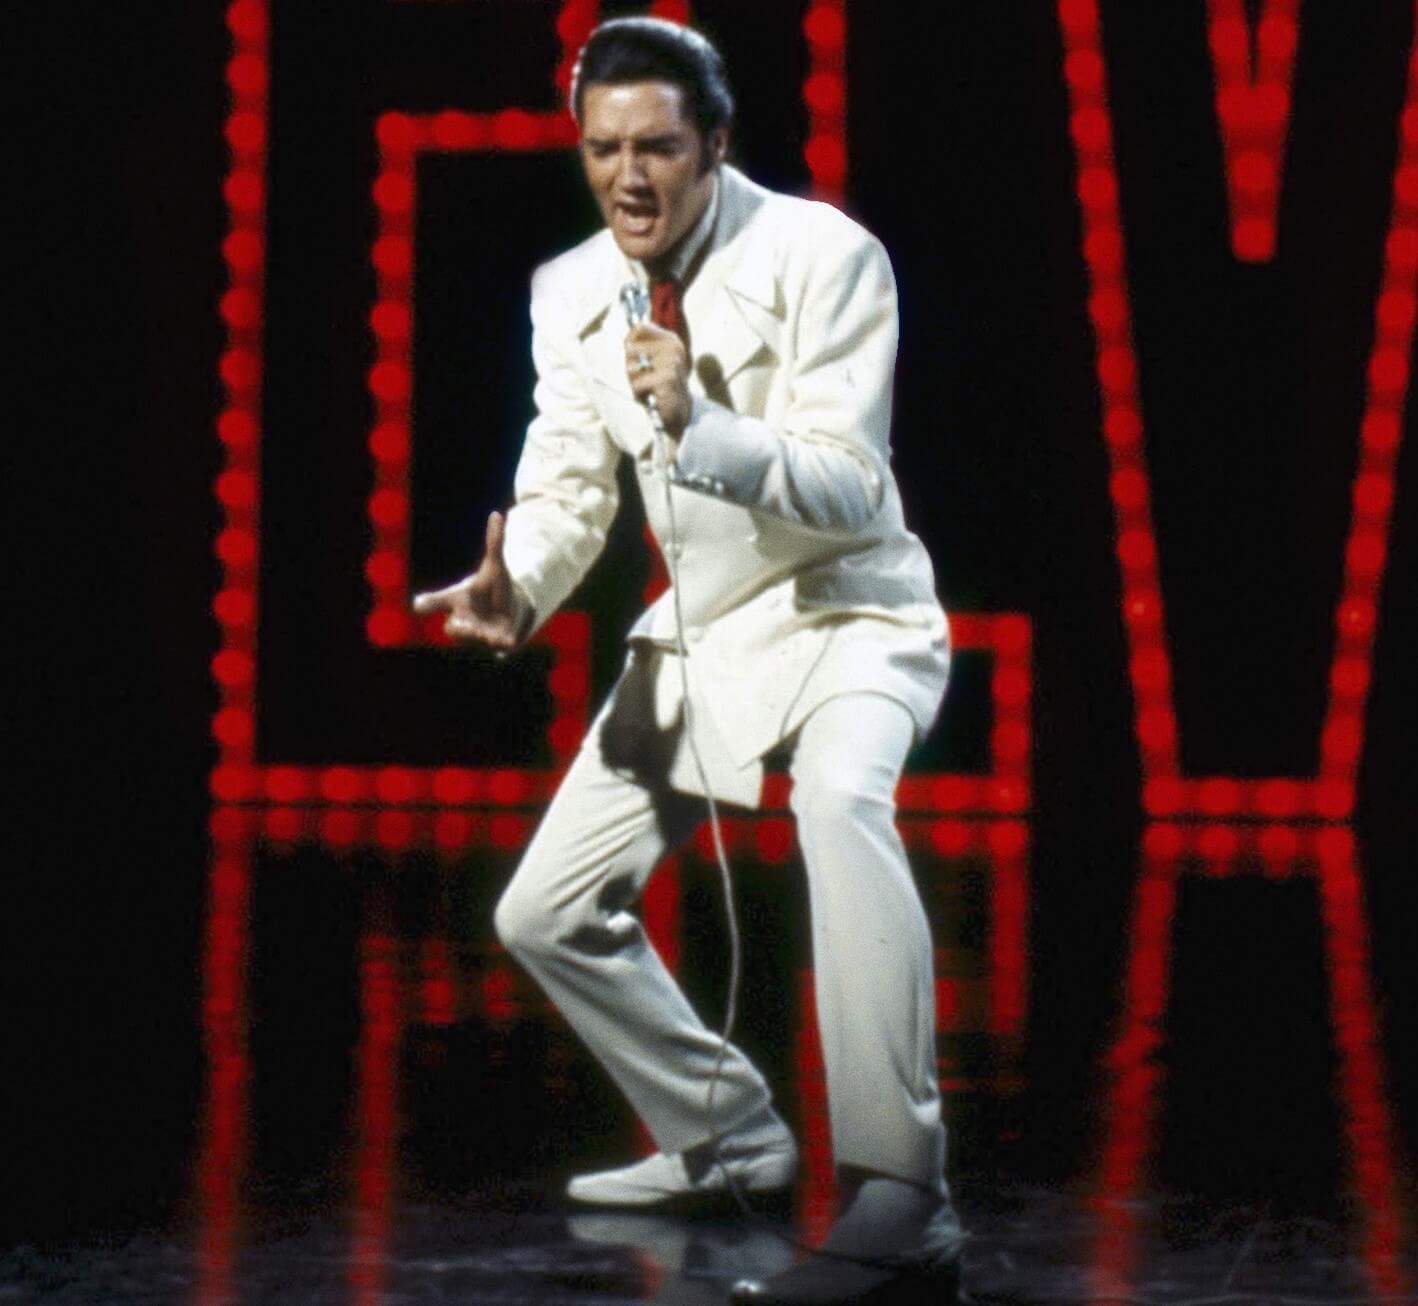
(719, 145)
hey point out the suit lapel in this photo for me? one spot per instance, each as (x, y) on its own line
(600, 318)
(603, 338)
(735, 295)
(602, 326)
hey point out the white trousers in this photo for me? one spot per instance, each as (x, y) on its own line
(568, 917)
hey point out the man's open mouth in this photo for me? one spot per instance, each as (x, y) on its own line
(636, 219)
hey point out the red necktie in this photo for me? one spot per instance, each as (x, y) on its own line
(665, 309)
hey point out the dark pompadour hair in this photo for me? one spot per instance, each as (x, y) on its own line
(654, 50)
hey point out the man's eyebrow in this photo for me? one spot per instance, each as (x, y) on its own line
(643, 142)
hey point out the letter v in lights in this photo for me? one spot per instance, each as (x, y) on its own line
(1254, 142)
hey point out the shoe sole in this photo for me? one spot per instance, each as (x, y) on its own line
(774, 1202)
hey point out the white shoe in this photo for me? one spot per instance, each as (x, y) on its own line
(761, 1157)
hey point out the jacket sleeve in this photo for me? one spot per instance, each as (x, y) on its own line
(824, 465)
(565, 485)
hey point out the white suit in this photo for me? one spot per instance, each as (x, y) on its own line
(793, 522)
(810, 617)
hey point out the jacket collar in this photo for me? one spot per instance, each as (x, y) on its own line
(741, 267)
(734, 303)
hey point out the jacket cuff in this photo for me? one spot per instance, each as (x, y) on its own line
(722, 453)
(817, 482)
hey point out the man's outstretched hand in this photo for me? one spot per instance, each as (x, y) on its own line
(482, 607)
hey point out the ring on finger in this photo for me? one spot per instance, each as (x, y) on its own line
(642, 362)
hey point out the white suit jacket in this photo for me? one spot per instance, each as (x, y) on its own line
(798, 578)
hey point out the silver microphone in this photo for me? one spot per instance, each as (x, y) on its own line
(635, 299)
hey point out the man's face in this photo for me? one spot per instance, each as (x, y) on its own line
(644, 161)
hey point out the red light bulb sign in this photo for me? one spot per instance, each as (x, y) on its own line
(1219, 826)
(1166, 792)
(1254, 71)
(395, 808)
(401, 138)
(237, 488)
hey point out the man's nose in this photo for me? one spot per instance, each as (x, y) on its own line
(630, 168)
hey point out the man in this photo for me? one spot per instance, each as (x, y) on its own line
(810, 625)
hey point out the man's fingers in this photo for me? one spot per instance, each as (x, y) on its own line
(456, 601)
(437, 600)
(661, 358)
(647, 333)
(467, 626)
(496, 533)
(645, 351)
(456, 598)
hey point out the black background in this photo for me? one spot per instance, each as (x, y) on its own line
(1252, 381)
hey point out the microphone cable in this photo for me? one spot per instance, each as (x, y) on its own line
(635, 300)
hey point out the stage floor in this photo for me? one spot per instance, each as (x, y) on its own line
(514, 1246)
(345, 1091)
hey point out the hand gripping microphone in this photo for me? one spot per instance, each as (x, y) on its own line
(635, 299)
